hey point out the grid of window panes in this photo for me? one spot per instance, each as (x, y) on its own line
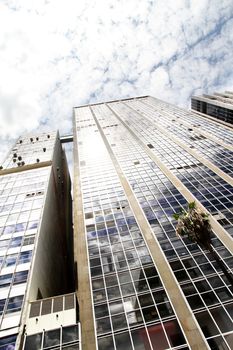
(63, 338)
(220, 112)
(207, 290)
(216, 129)
(209, 188)
(30, 149)
(21, 201)
(198, 105)
(217, 154)
(213, 110)
(132, 309)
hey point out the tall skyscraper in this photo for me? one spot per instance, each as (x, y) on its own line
(218, 105)
(136, 163)
(138, 286)
(35, 227)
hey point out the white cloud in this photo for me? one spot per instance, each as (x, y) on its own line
(58, 54)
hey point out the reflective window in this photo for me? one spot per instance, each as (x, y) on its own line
(51, 338)
(70, 334)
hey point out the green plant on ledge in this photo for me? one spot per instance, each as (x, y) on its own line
(194, 224)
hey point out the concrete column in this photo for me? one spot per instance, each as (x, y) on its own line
(81, 256)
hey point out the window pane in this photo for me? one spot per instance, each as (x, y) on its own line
(206, 323)
(10, 260)
(174, 333)
(210, 298)
(116, 307)
(14, 304)
(103, 325)
(145, 300)
(123, 341)
(157, 337)
(69, 334)
(140, 339)
(222, 319)
(105, 343)
(51, 338)
(119, 322)
(5, 280)
(217, 343)
(150, 313)
(101, 310)
(165, 310)
(20, 277)
(195, 302)
(33, 342)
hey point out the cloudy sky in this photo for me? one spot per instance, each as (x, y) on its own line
(56, 54)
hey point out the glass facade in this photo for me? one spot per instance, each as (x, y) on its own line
(132, 309)
(135, 171)
(130, 303)
(211, 190)
(214, 110)
(21, 205)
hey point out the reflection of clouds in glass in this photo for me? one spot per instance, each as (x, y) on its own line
(10, 347)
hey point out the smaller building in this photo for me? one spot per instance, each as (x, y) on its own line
(218, 105)
(52, 324)
(36, 243)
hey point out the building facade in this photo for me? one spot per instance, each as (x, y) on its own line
(35, 227)
(218, 105)
(137, 285)
(140, 287)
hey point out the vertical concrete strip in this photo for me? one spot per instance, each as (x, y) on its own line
(183, 312)
(81, 256)
(219, 231)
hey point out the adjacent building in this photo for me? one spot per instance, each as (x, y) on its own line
(137, 162)
(218, 105)
(36, 259)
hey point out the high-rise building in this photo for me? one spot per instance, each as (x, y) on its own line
(35, 226)
(136, 163)
(138, 286)
(218, 105)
